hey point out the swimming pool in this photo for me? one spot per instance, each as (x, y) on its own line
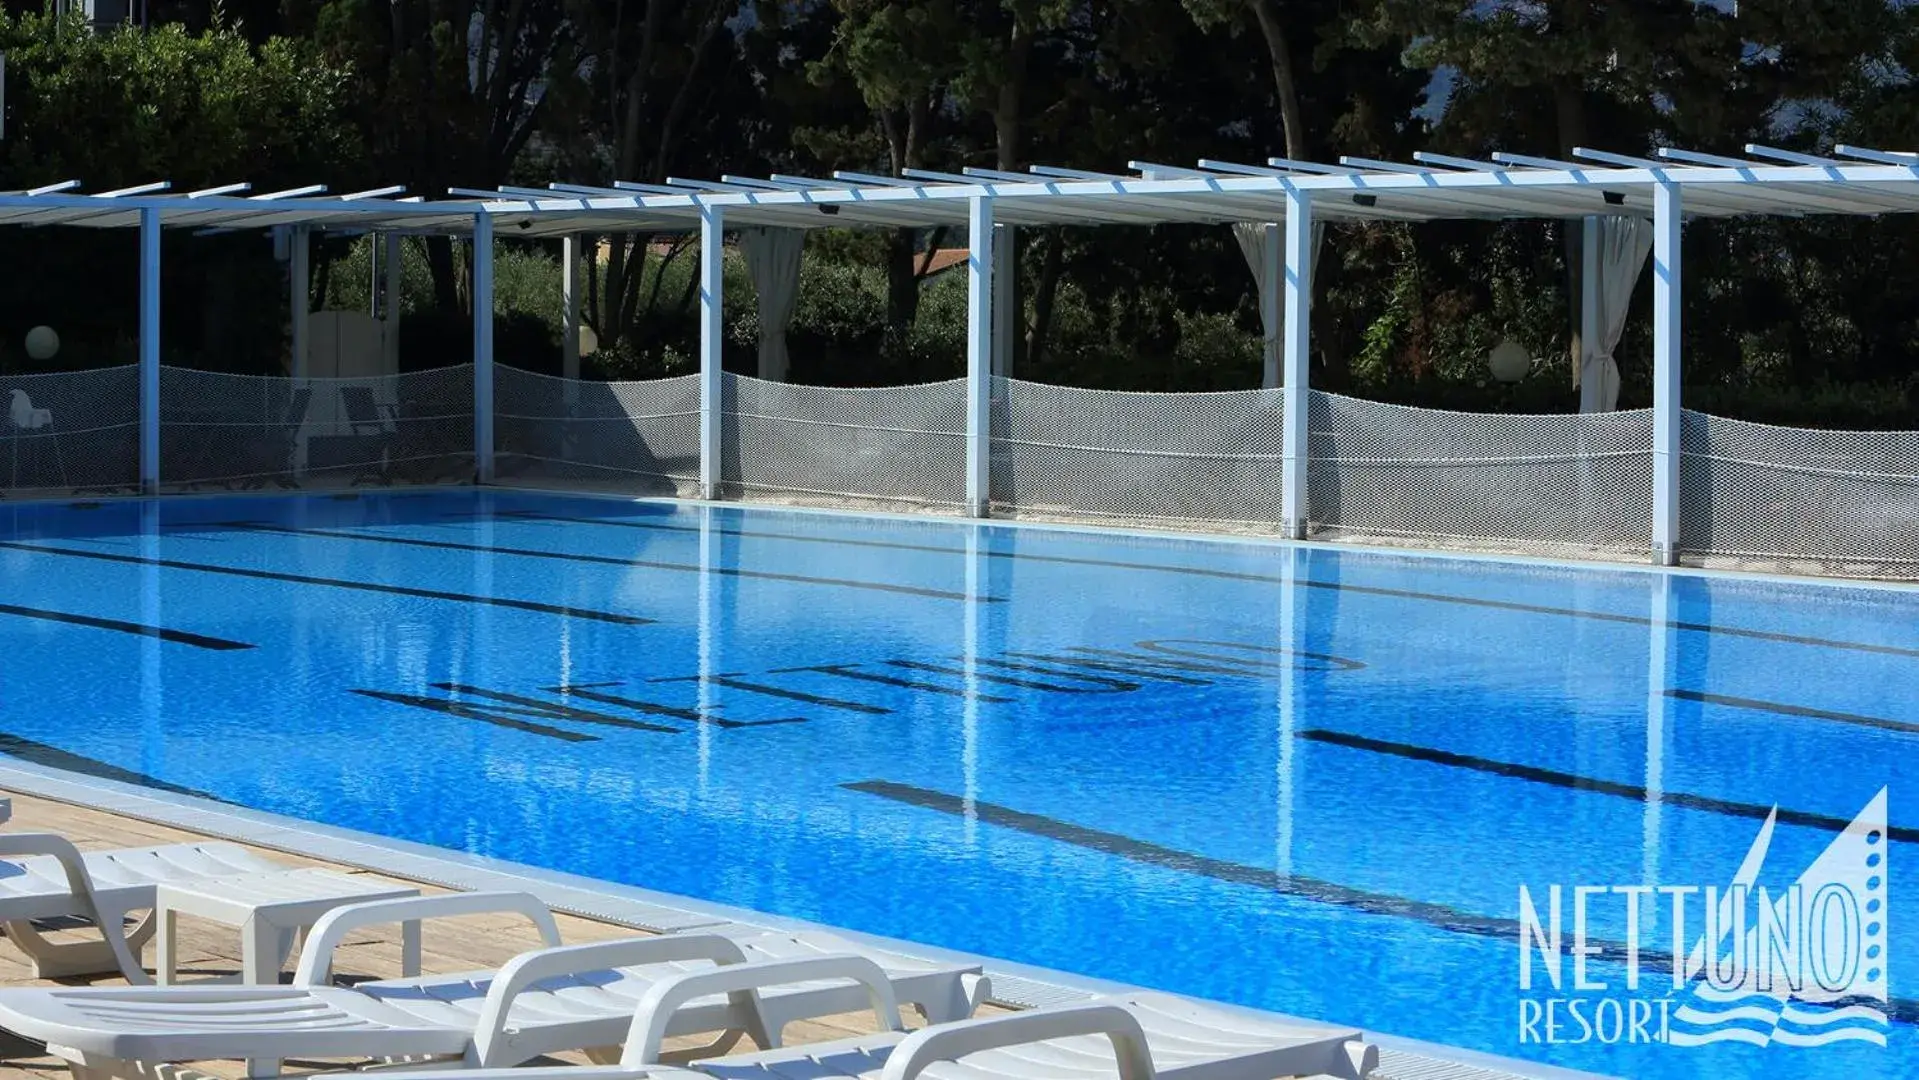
(1304, 779)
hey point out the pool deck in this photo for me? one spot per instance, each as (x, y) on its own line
(107, 812)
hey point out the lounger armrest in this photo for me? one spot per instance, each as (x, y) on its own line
(16, 845)
(950, 1042)
(316, 958)
(491, 1040)
(742, 983)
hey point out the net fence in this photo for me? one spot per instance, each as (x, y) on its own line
(1561, 481)
(73, 431)
(1844, 501)
(639, 437)
(894, 445)
(237, 432)
(1106, 454)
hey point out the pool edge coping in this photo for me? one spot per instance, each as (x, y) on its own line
(627, 905)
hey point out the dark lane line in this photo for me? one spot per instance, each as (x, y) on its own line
(1576, 782)
(336, 583)
(604, 560)
(53, 757)
(1785, 709)
(1145, 852)
(177, 637)
(1273, 579)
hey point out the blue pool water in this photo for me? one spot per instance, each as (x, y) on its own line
(1296, 778)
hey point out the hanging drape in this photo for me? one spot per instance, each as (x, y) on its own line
(1624, 243)
(773, 261)
(1272, 315)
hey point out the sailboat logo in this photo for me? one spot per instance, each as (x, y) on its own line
(1805, 966)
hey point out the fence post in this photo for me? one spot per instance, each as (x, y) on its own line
(483, 348)
(979, 356)
(1666, 221)
(150, 351)
(1297, 326)
(712, 296)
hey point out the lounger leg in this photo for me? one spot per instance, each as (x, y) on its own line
(65, 959)
(166, 956)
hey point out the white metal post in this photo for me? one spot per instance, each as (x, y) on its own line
(150, 351)
(483, 348)
(1272, 263)
(1006, 315)
(299, 293)
(712, 296)
(1297, 328)
(979, 356)
(392, 291)
(570, 307)
(1665, 373)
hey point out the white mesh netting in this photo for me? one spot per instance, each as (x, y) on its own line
(894, 444)
(1560, 480)
(74, 431)
(1829, 497)
(1199, 457)
(641, 437)
(250, 431)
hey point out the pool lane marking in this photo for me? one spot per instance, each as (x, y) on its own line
(53, 757)
(1440, 916)
(1785, 709)
(606, 560)
(1271, 579)
(336, 583)
(176, 637)
(1574, 781)
(1151, 854)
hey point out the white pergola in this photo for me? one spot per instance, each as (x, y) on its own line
(1287, 197)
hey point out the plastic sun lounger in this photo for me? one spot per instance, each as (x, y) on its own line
(43, 876)
(1138, 1036)
(562, 997)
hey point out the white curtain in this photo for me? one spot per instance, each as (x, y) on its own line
(773, 261)
(1272, 317)
(1624, 243)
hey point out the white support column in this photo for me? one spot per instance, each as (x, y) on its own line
(393, 290)
(483, 348)
(1006, 314)
(712, 297)
(979, 356)
(1273, 260)
(1666, 225)
(1297, 330)
(299, 294)
(150, 352)
(570, 309)
(1660, 664)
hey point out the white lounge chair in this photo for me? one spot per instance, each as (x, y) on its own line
(572, 997)
(43, 876)
(1141, 1036)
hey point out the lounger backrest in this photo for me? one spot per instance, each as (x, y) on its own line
(80, 886)
(742, 984)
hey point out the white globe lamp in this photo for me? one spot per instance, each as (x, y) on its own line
(1509, 361)
(589, 341)
(42, 343)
